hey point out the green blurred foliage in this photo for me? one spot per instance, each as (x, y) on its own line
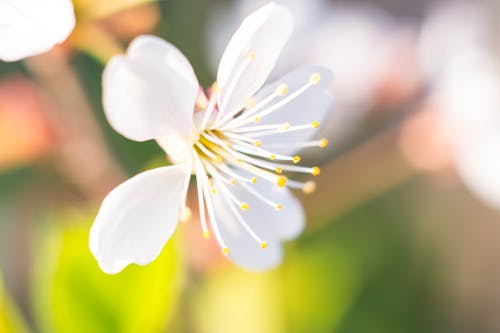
(310, 293)
(72, 294)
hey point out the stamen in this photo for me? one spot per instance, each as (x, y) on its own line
(232, 85)
(309, 187)
(218, 177)
(281, 130)
(241, 120)
(185, 215)
(201, 202)
(306, 187)
(261, 197)
(257, 151)
(211, 212)
(229, 172)
(211, 106)
(260, 128)
(282, 89)
(240, 137)
(223, 126)
(315, 78)
(253, 169)
(213, 157)
(240, 219)
(185, 187)
(322, 143)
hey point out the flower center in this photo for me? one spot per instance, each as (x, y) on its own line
(230, 152)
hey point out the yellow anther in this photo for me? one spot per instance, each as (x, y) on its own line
(250, 102)
(272, 157)
(315, 171)
(232, 182)
(285, 127)
(225, 251)
(252, 55)
(323, 143)
(258, 143)
(256, 120)
(315, 124)
(296, 159)
(253, 180)
(185, 215)
(278, 207)
(281, 181)
(309, 187)
(263, 245)
(244, 206)
(239, 160)
(206, 234)
(315, 78)
(282, 89)
(278, 170)
(214, 190)
(217, 159)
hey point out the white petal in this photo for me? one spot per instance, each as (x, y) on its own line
(243, 249)
(263, 34)
(312, 105)
(137, 218)
(150, 92)
(29, 27)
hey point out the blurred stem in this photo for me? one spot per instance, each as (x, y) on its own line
(361, 174)
(81, 153)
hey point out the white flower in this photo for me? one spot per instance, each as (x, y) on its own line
(152, 93)
(455, 55)
(30, 27)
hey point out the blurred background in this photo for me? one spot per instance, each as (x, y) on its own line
(403, 230)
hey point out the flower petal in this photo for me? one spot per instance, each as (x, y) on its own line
(312, 105)
(243, 249)
(150, 92)
(28, 28)
(137, 218)
(251, 54)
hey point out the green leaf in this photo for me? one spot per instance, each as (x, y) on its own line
(10, 319)
(321, 282)
(73, 295)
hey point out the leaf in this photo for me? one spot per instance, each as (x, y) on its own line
(10, 319)
(73, 295)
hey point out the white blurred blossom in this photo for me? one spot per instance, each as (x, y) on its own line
(465, 92)
(30, 27)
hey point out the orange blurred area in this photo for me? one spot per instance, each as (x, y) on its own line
(25, 133)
